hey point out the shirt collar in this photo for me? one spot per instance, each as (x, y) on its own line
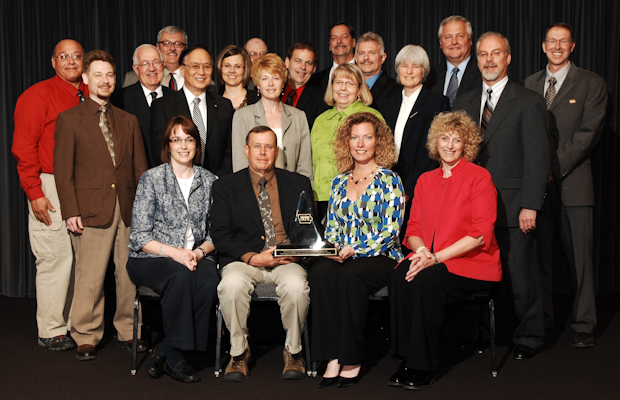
(371, 81)
(462, 66)
(559, 75)
(147, 92)
(254, 177)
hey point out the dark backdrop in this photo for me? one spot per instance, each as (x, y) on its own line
(29, 29)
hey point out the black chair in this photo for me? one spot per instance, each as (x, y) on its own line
(142, 293)
(262, 292)
(485, 299)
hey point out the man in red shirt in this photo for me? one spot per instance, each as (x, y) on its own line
(33, 145)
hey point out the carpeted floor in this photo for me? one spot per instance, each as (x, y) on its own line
(558, 372)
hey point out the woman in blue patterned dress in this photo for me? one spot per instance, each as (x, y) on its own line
(365, 212)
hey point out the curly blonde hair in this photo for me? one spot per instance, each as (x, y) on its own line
(460, 123)
(385, 150)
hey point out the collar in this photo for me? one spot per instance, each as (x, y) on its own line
(254, 177)
(352, 109)
(69, 87)
(371, 81)
(560, 75)
(462, 66)
(413, 97)
(147, 92)
(190, 96)
(92, 107)
(498, 88)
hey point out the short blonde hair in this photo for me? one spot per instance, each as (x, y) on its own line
(385, 150)
(353, 72)
(460, 123)
(270, 63)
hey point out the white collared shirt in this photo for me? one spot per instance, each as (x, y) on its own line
(498, 89)
(560, 76)
(459, 75)
(189, 96)
(178, 78)
(334, 65)
(403, 116)
(147, 93)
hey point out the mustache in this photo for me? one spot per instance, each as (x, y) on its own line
(490, 65)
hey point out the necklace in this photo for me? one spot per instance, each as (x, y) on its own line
(372, 173)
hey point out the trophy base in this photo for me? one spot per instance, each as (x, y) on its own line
(289, 250)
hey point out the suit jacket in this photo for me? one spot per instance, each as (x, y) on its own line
(515, 148)
(312, 102)
(219, 121)
(577, 118)
(472, 79)
(383, 88)
(320, 80)
(131, 78)
(296, 152)
(414, 160)
(236, 224)
(88, 182)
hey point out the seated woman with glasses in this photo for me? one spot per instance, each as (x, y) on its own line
(233, 71)
(288, 123)
(171, 250)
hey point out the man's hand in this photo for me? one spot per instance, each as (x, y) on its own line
(74, 224)
(527, 220)
(40, 207)
(266, 259)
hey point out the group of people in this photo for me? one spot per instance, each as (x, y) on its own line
(192, 190)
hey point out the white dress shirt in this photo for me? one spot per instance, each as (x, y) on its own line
(403, 116)
(178, 78)
(147, 93)
(498, 88)
(202, 105)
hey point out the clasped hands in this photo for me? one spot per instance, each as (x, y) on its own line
(187, 257)
(423, 259)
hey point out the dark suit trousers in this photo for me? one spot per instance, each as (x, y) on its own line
(186, 297)
(575, 227)
(418, 311)
(520, 268)
(339, 299)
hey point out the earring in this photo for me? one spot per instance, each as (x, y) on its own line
(258, 91)
(358, 98)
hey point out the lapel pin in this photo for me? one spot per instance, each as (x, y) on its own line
(416, 113)
(572, 101)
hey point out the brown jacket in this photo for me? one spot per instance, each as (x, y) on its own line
(87, 180)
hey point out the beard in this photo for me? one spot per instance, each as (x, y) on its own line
(490, 75)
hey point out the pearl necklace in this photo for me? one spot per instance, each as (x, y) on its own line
(372, 173)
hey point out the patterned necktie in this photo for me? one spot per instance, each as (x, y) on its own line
(80, 95)
(550, 95)
(488, 111)
(173, 82)
(107, 135)
(290, 99)
(200, 124)
(453, 86)
(265, 213)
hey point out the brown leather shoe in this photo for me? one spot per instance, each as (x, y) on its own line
(238, 369)
(128, 345)
(294, 365)
(86, 352)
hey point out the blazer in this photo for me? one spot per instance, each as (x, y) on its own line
(131, 78)
(515, 148)
(472, 79)
(414, 160)
(321, 79)
(577, 119)
(312, 102)
(219, 122)
(385, 87)
(236, 224)
(296, 152)
(161, 213)
(88, 182)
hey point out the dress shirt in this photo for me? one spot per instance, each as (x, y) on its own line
(178, 78)
(189, 96)
(371, 81)
(35, 120)
(459, 75)
(147, 93)
(334, 65)
(498, 89)
(559, 77)
(286, 92)
(403, 116)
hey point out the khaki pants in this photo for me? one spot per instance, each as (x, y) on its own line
(51, 245)
(237, 286)
(92, 253)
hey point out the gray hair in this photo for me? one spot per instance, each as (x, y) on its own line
(413, 54)
(455, 18)
(171, 29)
(370, 37)
(489, 34)
(145, 46)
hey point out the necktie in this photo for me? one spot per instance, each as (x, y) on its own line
(550, 95)
(173, 82)
(488, 111)
(265, 213)
(107, 135)
(200, 124)
(290, 99)
(153, 96)
(80, 95)
(453, 86)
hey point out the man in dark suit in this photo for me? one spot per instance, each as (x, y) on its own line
(137, 98)
(370, 56)
(576, 100)
(342, 46)
(211, 113)
(253, 210)
(301, 59)
(98, 160)
(516, 152)
(455, 39)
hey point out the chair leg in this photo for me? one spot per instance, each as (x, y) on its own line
(134, 350)
(492, 328)
(218, 342)
(309, 370)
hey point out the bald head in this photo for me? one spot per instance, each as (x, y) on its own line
(69, 69)
(256, 48)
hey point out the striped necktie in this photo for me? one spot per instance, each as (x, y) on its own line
(200, 124)
(488, 111)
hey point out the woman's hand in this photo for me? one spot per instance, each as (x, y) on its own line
(343, 254)
(419, 261)
(185, 257)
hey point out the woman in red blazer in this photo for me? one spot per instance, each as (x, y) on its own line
(454, 251)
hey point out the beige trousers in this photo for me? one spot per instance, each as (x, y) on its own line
(92, 253)
(51, 245)
(237, 286)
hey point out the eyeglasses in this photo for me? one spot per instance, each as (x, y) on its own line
(168, 43)
(178, 140)
(236, 67)
(64, 57)
(197, 67)
(494, 54)
(261, 54)
(146, 64)
(553, 42)
(258, 147)
(348, 84)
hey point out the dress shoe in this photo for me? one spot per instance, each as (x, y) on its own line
(399, 377)
(294, 365)
(58, 343)
(418, 380)
(182, 372)
(128, 345)
(325, 382)
(523, 352)
(156, 363)
(238, 369)
(86, 352)
(346, 382)
(583, 340)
